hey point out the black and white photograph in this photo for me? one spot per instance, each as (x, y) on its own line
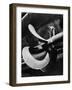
(40, 44)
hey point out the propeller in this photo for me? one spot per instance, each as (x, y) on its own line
(50, 40)
(29, 58)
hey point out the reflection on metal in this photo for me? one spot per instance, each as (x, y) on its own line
(50, 40)
(32, 62)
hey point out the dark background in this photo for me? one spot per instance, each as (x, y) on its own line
(39, 20)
